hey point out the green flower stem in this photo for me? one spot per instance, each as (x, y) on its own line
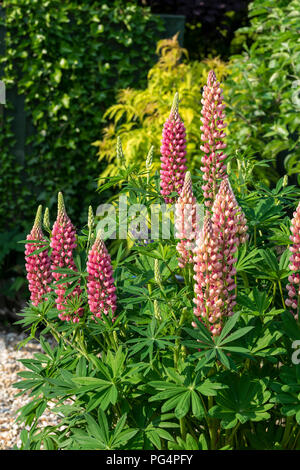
(212, 426)
(287, 431)
(59, 336)
(177, 342)
(281, 293)
(182, 428)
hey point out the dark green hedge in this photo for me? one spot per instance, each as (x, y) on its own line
(65, 60)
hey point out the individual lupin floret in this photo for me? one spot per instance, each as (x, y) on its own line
(212, 128)
(38, 266)
(173, 151)
(293, 287)
(100, 285)
(186, 222)
(63, 242)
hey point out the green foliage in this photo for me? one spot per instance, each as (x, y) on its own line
(138, 116)
(66, 59)
(262, 88)
(149, 381)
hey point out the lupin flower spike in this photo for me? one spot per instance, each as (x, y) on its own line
(157, 275)
(157, 312)
(212, 136)
(186, 222)
(63, 242)
(46, 220)
(120, 153)
(91, 219)
(208, 278)
(100, 283)
(293, 287)
(149, 158)
(38, 266)
(173, 151)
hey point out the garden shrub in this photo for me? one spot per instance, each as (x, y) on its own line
(138, 115)
(66, 59)
(268, 71)
(186, 342)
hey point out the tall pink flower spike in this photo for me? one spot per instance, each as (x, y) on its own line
(186, 222)
(208, 276)
(38, 266)
(63, 242)
(293, 287)
(215, 259)
(173, 151)
(212, 136)
(100, 284)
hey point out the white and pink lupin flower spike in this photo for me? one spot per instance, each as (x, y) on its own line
(293, 286)
(63, 242)
(215, 257)
(100, 284)
(173, 151)
(209, 280)
(38, 266)
(212, 128)
(186, 222)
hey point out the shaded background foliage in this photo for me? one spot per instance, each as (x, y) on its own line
(62, 63)
(210, 24)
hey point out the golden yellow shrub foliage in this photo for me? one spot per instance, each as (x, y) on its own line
(139, 115)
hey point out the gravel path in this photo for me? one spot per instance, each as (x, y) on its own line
(9, 404)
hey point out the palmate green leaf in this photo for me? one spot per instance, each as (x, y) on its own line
(287, 392)
(245, 399)
(214, 348)
(247, 260)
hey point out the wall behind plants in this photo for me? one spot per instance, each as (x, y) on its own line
(210, 24)
(62, 63)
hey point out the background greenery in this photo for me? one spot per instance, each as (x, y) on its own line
(63, 61)
(87, 72)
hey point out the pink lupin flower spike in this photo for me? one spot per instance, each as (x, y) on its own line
(186, 222)
(212, 136)
(100, 284)
(227, 224)
(293, 287)
(38, 266)
(173, 151)
(63, 242)
(208, 276)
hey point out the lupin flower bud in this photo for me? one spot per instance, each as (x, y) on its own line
(46, 220)
(157, 312)
(120, 154)
(38, 266)
(91, 218)
(100, 283)
(173, 153)
(293, 286)
(157, 275)
(212, 136)
(186, 222)
(63, 242)
(149, 158)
